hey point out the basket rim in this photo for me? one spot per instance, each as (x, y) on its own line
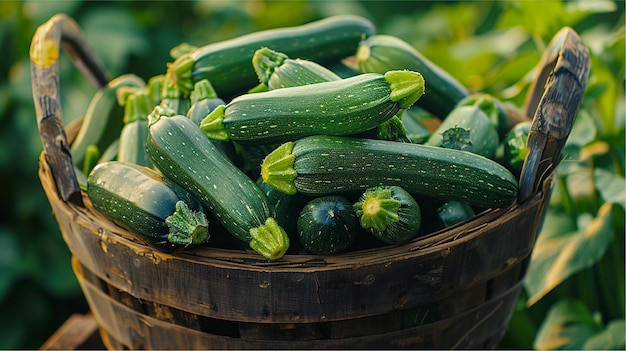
(438, 241)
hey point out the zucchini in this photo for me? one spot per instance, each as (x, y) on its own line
(154, 88)
(318, 165)
(140, 199)
(467, 128)
(226, 64)
(328, 225)
(102, 121)
(287, 207)
(341, 107)
(203, 101)
(416, 132)
(276, 70)
(514, 148)
(174, 98)
(389, 213)
(184, 154)
(132, 147)
(493, 108)
(453, 212)
(381, 53)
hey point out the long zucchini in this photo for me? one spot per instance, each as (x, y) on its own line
(341, 107)
(184, 154)
(226, 64)
(319, 165)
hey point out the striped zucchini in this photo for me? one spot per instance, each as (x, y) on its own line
(227, 63)
(276, 70)
(381, 53)
(185, 155)
(320, 165)
(341, 107)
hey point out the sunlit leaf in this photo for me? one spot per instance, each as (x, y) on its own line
(613, 337)
(566, 252)
(611, 186)
(567, 326)
(583, 131)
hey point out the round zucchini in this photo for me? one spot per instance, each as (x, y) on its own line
(389, 213)
(328, 225)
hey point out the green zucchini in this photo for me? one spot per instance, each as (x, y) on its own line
(514, 148)
(132, 147)
(147, 203)
(341, 107)
(174, 98)
(203, 101)
(389, 213)
(226, 64)
(103, 120)
(493, 108)
(184, 154)
(467, 128)
(328, 225)
(287, 207)
(277, 70)
(381, 53)
(320, 165)
(453, 212)
(415, 130)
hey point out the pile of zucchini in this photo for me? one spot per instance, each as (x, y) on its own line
(305, 139)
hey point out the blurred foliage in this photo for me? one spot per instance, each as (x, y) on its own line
(489, 46)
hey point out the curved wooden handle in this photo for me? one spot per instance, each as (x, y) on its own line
(59, 31)
(553, 100)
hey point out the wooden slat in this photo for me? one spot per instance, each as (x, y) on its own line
(79, 332)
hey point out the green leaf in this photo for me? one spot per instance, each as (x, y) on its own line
(559, 254)
(611, 338)
(567, 326)
(611, 186)
(583, 131)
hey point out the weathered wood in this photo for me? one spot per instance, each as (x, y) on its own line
(59, 31)
(554, 99)
(473, 328)
(79, 332)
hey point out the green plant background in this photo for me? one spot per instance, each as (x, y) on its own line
(490, 46)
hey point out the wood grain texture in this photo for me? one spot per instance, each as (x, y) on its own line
(553, 100)
(59, 32)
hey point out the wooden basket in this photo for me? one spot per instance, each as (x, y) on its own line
(454, 288)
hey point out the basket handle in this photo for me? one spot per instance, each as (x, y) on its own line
(553, 99)
(59, 31)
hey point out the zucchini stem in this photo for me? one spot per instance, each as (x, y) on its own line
(378, 209)
(269, 240)
(179, 73)
(265, 62)
(277, 169)
(406, 87)
(213, 124)
(187, 227)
